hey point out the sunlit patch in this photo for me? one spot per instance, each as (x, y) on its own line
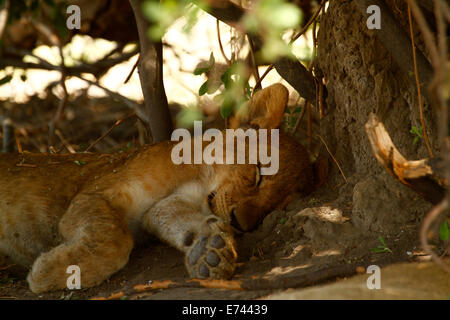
(327, 253)
(294, 252)
(327, 214)
(284, 270)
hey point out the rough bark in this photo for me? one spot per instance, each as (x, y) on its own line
(397, 42)
(363, 77)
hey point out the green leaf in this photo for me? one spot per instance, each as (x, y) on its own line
(382, 248)
(212, 60)
(80, 163)
(226, 78)
(248, 91)
(187, 116)
(198, 71)
(203, 89)
(292, 121)
(416, 131)
(297, 110)
(5, 79)
(285, 16)
(444, 231)
(227, 107)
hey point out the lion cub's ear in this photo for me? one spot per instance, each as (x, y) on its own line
(264, 111)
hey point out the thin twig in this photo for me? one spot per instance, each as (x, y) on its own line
(305, 28)
(258, 83)
(299, 119)
(64, 141)
(334, 159)
(419, 95)
(255, 66)
(426, 32)
(131, 104)
(429, 218)
(132, 69)
(96, 68)
(109, 131)
(228, 61)
(298, 35)
(19, 145)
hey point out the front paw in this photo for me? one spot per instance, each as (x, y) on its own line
(212, 255)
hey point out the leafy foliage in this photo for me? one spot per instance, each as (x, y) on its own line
(381, 248)
(234, 84)
(267, 18)
(417, 132)
(271, 18)
(291, 116)
(163, 14)
(187, 116)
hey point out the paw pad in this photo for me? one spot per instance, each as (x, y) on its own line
(212, 256)
(217, 242)
(213, 259)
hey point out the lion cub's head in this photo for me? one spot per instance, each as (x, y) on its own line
(244, 195)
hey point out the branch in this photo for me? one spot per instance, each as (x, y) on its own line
(298, 77)
(14, 57)
(291, 71)
(254, 284)
(422, 175)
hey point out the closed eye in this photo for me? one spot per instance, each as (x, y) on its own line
(210, 199)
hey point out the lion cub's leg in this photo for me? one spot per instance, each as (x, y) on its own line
(96, 239)
(205, 239)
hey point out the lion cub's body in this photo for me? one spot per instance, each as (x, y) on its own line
(88, 209)
(37, 189)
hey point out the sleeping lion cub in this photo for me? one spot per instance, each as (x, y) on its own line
(88, 209)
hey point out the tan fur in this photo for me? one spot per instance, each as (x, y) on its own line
(87, 209)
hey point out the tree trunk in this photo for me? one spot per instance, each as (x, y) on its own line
(362, 76)
(151, 75)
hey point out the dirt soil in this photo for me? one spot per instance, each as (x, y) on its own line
(313, 241)
(320, 238)
(309, 243)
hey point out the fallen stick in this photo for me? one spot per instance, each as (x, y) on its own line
(253, 284)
